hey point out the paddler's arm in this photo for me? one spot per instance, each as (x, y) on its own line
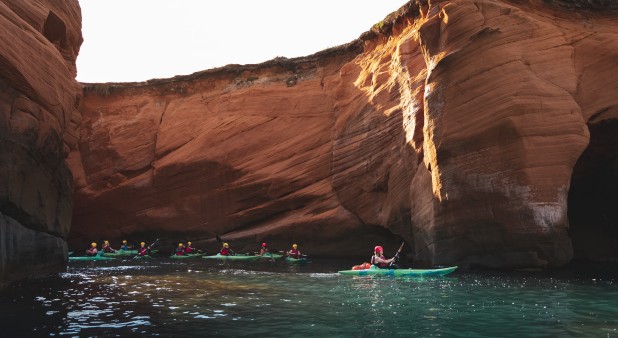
(380, 260)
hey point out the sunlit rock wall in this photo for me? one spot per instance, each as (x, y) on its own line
(454, 125)
(38, 118)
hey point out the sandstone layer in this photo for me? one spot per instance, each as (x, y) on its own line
(457, 126)
(38, 118)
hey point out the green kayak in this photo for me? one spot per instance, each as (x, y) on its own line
(373, 271)
(90, 258)
(185, 256)
(238, 257)
(271, 256)
(301, 260)
(121, 253)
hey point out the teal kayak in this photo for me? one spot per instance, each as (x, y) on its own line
(373, 271)
(121, 253)
(271, 256)
(238, 257)
(90, 258)
(185, 256)
(301, 260)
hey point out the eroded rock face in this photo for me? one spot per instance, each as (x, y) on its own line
(454, 125)
(38, 118)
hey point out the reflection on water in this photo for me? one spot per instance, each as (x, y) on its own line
(204, 298)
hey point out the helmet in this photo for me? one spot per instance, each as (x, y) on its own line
(179, 244)
(142, 243)
(188, 243)
(378, 248)
(225, 245)
(295, 246)
(264, 244)
(124, 241)
(93, 244)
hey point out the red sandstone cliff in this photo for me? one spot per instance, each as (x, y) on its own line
(38, 98)
(455, 125)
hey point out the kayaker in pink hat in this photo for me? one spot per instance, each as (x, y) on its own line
(379, 260)
(264, 249)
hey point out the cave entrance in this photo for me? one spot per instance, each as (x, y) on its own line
(593, 196)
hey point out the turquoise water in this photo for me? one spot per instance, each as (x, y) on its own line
(161, 297)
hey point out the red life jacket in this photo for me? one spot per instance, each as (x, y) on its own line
(189, 249)
(142, 251)
(294, 253)
(225, 252)
(92, 251)
(108, 249)
(180, 251)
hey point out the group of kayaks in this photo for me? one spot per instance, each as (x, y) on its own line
(372, 271)
(269, 256)
(238, 257)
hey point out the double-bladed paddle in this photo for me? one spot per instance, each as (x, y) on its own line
(396, 257)
(147, 248)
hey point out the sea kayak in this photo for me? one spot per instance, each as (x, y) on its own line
(185, 256)
(238, 257)
(302, 260)
(373, 271)
(270, 255)
(90, 258)
(121, 253)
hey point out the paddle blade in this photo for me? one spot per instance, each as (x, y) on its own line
(219, 239)
(401, 247)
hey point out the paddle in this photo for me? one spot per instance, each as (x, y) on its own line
(396, 257)
(147, 248)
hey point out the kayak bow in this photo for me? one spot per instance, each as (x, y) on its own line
(293, 260)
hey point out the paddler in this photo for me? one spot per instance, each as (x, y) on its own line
(143, 250)
(107, 248)
(93, 250)
(226, 251)
(264, 250)
(190, 249)
(125, 246)
(380, 261)
(294, 253)
(180, 250)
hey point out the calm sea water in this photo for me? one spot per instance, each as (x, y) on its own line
(202, 298)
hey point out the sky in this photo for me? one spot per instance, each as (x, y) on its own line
(138, 40)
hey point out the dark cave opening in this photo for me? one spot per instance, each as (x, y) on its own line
(593, 196)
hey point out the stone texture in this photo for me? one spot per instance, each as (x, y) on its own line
(38, 99)
(455, 125)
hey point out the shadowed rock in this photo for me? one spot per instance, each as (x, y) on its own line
(38, 119)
